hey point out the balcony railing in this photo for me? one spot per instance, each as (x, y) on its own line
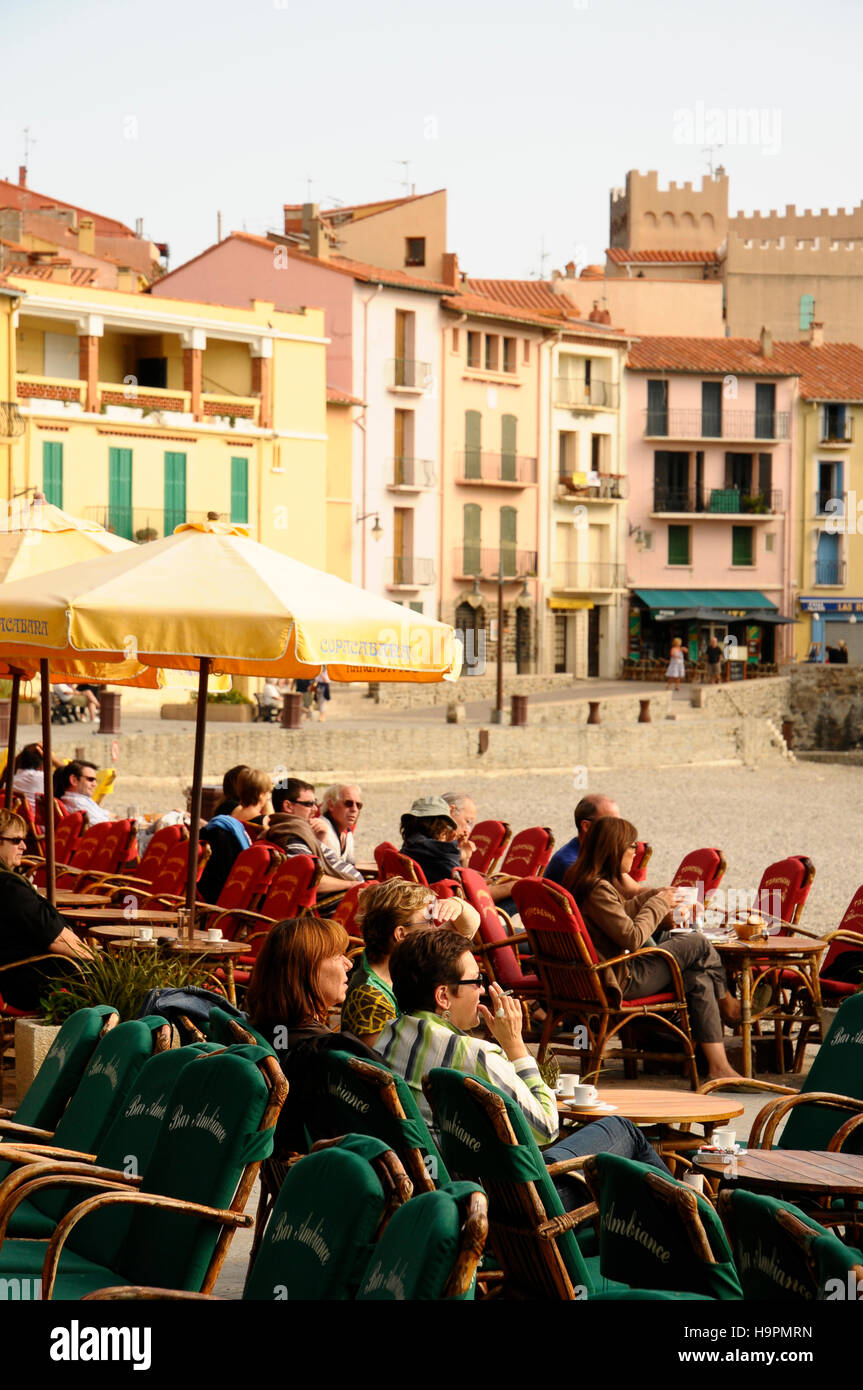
(409, 572)
(473, 561)
(828, 502)
(49, 392)
(142, 524)
(830, 572)
(734, 424)
(412, 473)
(716, 501)
(476, 466)
(598, 395)
(837, 431)
(11, 420)
(587, 575)
(595, 487)
(408, 373)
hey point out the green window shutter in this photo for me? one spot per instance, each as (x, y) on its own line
(508, 557)
(471, 532)
(678, 545)
(807, 310)
(175, 491)
(120, 492)
(508, 429)
(52, 473)
(240, 490)
(472, 444)
(741, 545)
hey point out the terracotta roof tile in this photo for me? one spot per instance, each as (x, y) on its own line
(527, 301)
(621, 256)
(335, 396)
(740, 356)
(13, 195)
(831, 372)
(359, 270)
(536, 295)
(79, 274)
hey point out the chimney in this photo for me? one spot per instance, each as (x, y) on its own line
(127, 281)
(61, 273)
(570, 270)
(816, 334)
(450, 273)
(311, 211)
(22, 175)
(766, 343)
(598, 315)
(87, 236)
(556, 275)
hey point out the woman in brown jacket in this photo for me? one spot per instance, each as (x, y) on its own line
(617, 924)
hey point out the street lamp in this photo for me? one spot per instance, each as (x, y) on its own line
(377, 529)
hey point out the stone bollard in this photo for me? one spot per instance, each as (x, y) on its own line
(593, 712)
(291, 716)
(455, 713)
(109, 712)
(518, 717)
(644, 712)
(788, 731)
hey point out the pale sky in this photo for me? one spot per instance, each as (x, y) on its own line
(527, 113)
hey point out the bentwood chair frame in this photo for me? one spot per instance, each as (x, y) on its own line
(571, 979)
(491, 838)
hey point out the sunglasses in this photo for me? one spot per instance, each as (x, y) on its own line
(351, 805)
(304, 803)
(13, 839)
(480, 981)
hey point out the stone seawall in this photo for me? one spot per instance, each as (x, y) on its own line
(404, 696)
(826, 707)
(770, 697)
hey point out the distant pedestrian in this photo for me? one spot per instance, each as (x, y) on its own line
(676, 669)
(322, 691)
(714, 661)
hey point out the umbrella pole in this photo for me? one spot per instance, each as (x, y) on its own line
(13, 736)
(49, 784)
(205, 666)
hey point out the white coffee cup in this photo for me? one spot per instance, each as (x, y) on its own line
(214, 934)
(566, 1084)
(724, 1138)
(584, 1095)
(145, 933)
(695, 1181)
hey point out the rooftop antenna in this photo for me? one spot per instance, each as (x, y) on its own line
(543, 257)
(405, 182)
(710, 151)
(309, 182)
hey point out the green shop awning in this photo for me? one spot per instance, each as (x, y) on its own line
(719, 603)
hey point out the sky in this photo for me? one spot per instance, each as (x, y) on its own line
(527, 113)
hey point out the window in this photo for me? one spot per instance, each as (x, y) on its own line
(678, 545)
(765, 410)
(403, 545)
(657, 407)
(471, 523)
(670, 482)
(508, 431)
(455, 340)
(473, 349)
(60, 356)
(405, 365)
(807, 311)
(52, 473)
(492, 352)
(830, 500)
(834, 424)
(120, 492)
(415, 250)
(175, 491)
(472, 444)
(599, 452)
(416, 605)
(567, 454)
(240, 490)
(828, 566)
(770, 542)
(508, 553)
(527, 349)
(738, 478)
(741, 545)
(509, 354)
(711, 409)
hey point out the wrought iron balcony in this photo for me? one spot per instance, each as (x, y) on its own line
(587, 575)
(142, 524)
(475, 562)
(836, 431)
(830, 572)
(11, 420)
(408, 374)
(409, 572)
(412, 473)
(595, 487)
(594, 395)
(716, 501)
(733, 424)
(477, 466)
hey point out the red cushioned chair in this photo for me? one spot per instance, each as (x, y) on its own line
(346, 912)
(393, 864)
(496, 941)
(168, 886)
(251, 874)
(102, 850)
(700, 867)
(570, 974)
(292, 893)
(150, 862)
(643, 853)
(847, 938)
(528, 853)
(491, 838)
(67, 832)
(385, 847)
(792, 879)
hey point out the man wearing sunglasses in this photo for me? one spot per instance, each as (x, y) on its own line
(29, 927)
(340, 810)
(297, 829)
(74, 785)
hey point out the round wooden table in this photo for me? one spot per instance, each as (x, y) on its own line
(791, 1172)
(64, 898)
(131, 932)
(118, 918)
(126, 935)
(668, 1113)
(759, 957)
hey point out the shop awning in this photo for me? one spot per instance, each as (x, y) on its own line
(753, 615)
(565, 605)
(740, 603)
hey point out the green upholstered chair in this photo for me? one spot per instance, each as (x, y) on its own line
(54, 1083)
(781, 1254)
(431, 1248)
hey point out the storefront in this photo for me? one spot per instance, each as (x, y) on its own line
(829, 624)
(657, 616)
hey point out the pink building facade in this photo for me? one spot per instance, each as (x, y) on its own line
(711, 426)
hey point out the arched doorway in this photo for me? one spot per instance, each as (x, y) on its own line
(471, 624)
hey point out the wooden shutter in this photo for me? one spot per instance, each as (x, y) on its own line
(741, 545)
(657, 407)
(120, 492)
(52, 473)
(240, 490)
(508, 554)
(678, 545)
(175, 491)
(765, 476)
(508, 432)
(472, 444)
(472, 522)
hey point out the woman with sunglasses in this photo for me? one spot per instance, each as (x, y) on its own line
(439, 988)
(31, 931)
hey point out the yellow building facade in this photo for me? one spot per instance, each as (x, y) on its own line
(143, 413)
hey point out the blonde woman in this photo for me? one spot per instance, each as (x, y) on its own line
(388, 912)
(676, 669)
